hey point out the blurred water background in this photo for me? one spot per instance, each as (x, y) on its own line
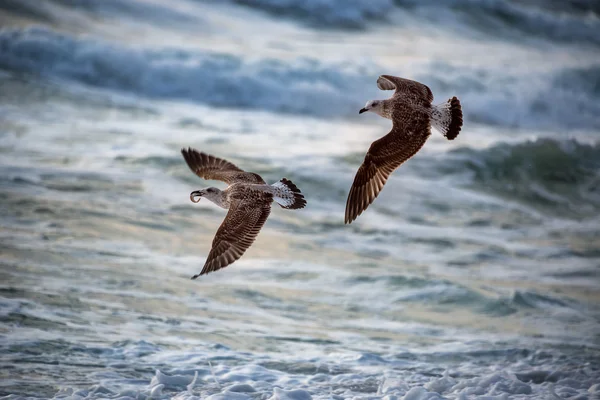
(475, 274)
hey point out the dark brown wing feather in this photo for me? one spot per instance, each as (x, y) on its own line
(237, 232)
(408, 135)
(413, 89)
(214, 168)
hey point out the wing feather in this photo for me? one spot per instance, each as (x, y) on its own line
(238, 231)
(406, 87)
(386, 154)
(214, 168)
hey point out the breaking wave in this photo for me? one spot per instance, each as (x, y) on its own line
(562, 175)
(565, 98)
(304, 87)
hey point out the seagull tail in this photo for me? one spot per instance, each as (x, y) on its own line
(447, 118)
(287, 195)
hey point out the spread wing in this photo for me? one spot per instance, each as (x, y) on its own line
(409, 133)
(237, 232)
(406, 87)
(214, 168)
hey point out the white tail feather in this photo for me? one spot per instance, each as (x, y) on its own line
(287, 195)
(447, 118)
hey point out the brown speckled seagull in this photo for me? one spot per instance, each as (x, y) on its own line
(412, 115)
(248, 199)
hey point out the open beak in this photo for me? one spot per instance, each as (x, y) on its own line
(362, 110)
(194, 194)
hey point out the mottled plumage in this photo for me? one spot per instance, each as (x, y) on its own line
(412, 114)
(248, 199)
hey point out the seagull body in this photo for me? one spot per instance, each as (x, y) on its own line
(248, 199)
(412, 114)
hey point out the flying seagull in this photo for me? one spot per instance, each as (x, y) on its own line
(412, 115)
(248, 199)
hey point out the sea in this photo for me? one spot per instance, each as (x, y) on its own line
(474, 275)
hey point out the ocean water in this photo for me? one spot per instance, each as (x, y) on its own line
(474, 275)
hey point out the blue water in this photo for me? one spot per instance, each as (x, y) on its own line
(474, 275)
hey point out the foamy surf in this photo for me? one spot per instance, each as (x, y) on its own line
(297, 379)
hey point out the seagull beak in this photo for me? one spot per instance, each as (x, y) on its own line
(194, 194)
(362, 110)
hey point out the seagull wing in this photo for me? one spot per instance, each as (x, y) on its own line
(214, 168)
(406, 87)
(237, 232)
(409, 133)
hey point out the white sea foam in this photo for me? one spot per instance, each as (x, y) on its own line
(372, 383)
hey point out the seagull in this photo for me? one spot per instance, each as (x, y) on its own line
(412, 115)
(248, 199)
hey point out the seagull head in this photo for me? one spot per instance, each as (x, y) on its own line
(209, 193)
(372, 105)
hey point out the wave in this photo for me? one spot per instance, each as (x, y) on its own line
(555, 20)
(352, 14)
(560, 21)
(562, 99)
(558, 175)
(491, 373)
(303, 87)
(57, 10)
(565, 98)
(447, 293)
